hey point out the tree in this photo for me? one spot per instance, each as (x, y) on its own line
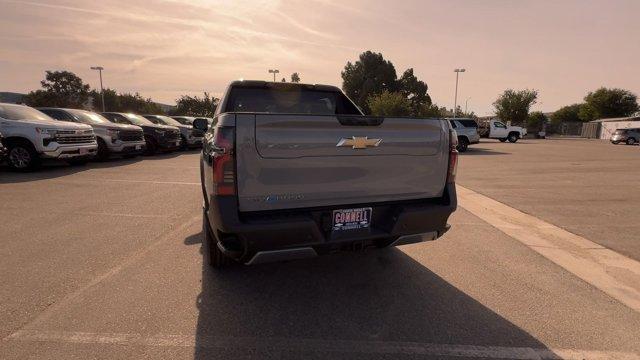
(389, 104)
(124, 102)
(195, 106)
(295, 77)
(567, 113)
(535, 121)
(368, 76)
(608, 103)
(60, 89)
(514, 105)
(414, 90)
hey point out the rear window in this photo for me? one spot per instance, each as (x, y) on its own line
(289, 101)
(468, 123)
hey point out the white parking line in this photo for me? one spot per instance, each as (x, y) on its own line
(314, 345)
(615, 274)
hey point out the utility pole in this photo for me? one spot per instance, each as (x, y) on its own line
(100, 68)
(455, 101)
(465, 105)
(274, 72)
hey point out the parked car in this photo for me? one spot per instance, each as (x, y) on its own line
(191, 137)
(627, 136)
(184, 120)
(496, 129)
(295, 170)
(113, 139)
(31, 136)
(467, 130)
(3, 150)
(157, 137)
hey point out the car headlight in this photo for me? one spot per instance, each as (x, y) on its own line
(46, 132)
(113, 133)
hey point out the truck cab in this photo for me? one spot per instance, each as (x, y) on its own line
(31, 136)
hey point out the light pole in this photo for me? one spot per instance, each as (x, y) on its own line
(466, 102)
(274, 72)
(100, 68)
(455, 101)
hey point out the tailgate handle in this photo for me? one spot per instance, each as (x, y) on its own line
(359, 120)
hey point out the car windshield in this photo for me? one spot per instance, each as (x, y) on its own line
(165, 120)
(137, 119)
(184, 120)
(20, 112)
(88, 117)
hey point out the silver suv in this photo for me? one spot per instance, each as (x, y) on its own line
(118, 139)
(628, 136)
(467, 130)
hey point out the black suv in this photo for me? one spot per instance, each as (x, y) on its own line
(157, 137)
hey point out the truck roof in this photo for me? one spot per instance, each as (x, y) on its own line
(281, 85)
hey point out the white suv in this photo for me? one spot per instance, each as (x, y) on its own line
(30, 136)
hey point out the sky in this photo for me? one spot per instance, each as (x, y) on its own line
(166, 48)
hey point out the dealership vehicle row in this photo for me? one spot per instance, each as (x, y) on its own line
(31, 135)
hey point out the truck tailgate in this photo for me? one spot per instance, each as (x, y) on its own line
(298, 161)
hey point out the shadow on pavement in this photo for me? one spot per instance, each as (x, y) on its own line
(379, 296)
(482, 151)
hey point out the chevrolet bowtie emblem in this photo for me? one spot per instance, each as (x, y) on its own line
(359, 142)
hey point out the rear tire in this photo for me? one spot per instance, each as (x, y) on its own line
(503, 139)
(463, 144)
(21, 156)
(216, 258)
(513, 137)
(631, 141)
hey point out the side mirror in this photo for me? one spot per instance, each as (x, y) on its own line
(201, 124)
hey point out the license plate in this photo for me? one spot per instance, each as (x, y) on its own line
(138, 147)
(351, 219)
(84, 151)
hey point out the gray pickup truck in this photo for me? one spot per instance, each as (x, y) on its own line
(293, 170)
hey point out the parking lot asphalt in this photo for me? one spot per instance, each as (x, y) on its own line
(588, 187)
(104, 261)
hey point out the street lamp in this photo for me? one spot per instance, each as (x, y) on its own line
(466, 102)
(455, 101)
(274, 72)
(100, 68)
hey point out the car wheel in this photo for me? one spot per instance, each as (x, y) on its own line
(184, 145)
(216, 258)
(503, 139)
(631, 141)
(103, 150)
(463, 144)
(513, 137)
(23, 157)
(152, 146)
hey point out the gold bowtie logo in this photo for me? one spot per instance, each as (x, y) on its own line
(359, 142)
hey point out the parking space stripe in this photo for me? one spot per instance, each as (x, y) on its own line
(613, 273)
(314, 345)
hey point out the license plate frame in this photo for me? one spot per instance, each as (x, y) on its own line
(351, 219)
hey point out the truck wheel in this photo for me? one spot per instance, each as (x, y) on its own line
(513, 137)
(631, 141)
(22, 156)
(216, 258)
(463, 144)
(503, 139)
(152, 147)
(103, 151)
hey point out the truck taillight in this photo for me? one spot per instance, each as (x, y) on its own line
(453, 157)
(224, 162)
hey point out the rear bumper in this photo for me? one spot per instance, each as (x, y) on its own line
(254, 237)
